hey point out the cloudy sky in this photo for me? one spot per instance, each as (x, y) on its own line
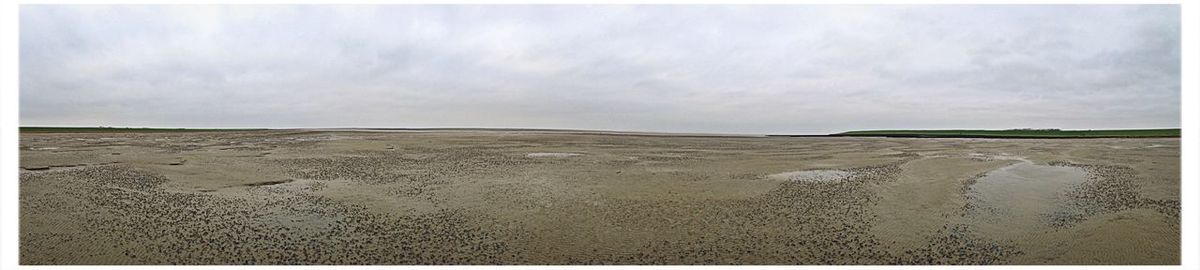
(728, 69)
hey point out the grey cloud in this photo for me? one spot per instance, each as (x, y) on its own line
(738, 69)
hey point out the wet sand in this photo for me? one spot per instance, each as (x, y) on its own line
(523, 197)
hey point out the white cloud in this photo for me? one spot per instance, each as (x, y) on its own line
(753, 69)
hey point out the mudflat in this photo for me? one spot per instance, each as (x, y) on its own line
(528, 197)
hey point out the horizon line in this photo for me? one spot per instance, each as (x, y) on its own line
(581, 130)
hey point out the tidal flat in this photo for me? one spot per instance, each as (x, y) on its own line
(532, 197)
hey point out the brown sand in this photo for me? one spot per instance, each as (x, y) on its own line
(344, 197)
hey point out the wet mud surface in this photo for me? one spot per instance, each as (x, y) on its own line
(314, 197)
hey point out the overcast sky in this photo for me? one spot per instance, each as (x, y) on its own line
(727, 69)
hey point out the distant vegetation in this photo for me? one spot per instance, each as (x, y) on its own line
(1018, 133)
(118, 130)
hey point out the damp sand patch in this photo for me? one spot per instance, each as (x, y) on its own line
(1020, 198)
(552, 155)
(41, 168)
(812, 176)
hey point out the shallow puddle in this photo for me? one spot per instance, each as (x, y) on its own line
(552, 155)
(1017, 199)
